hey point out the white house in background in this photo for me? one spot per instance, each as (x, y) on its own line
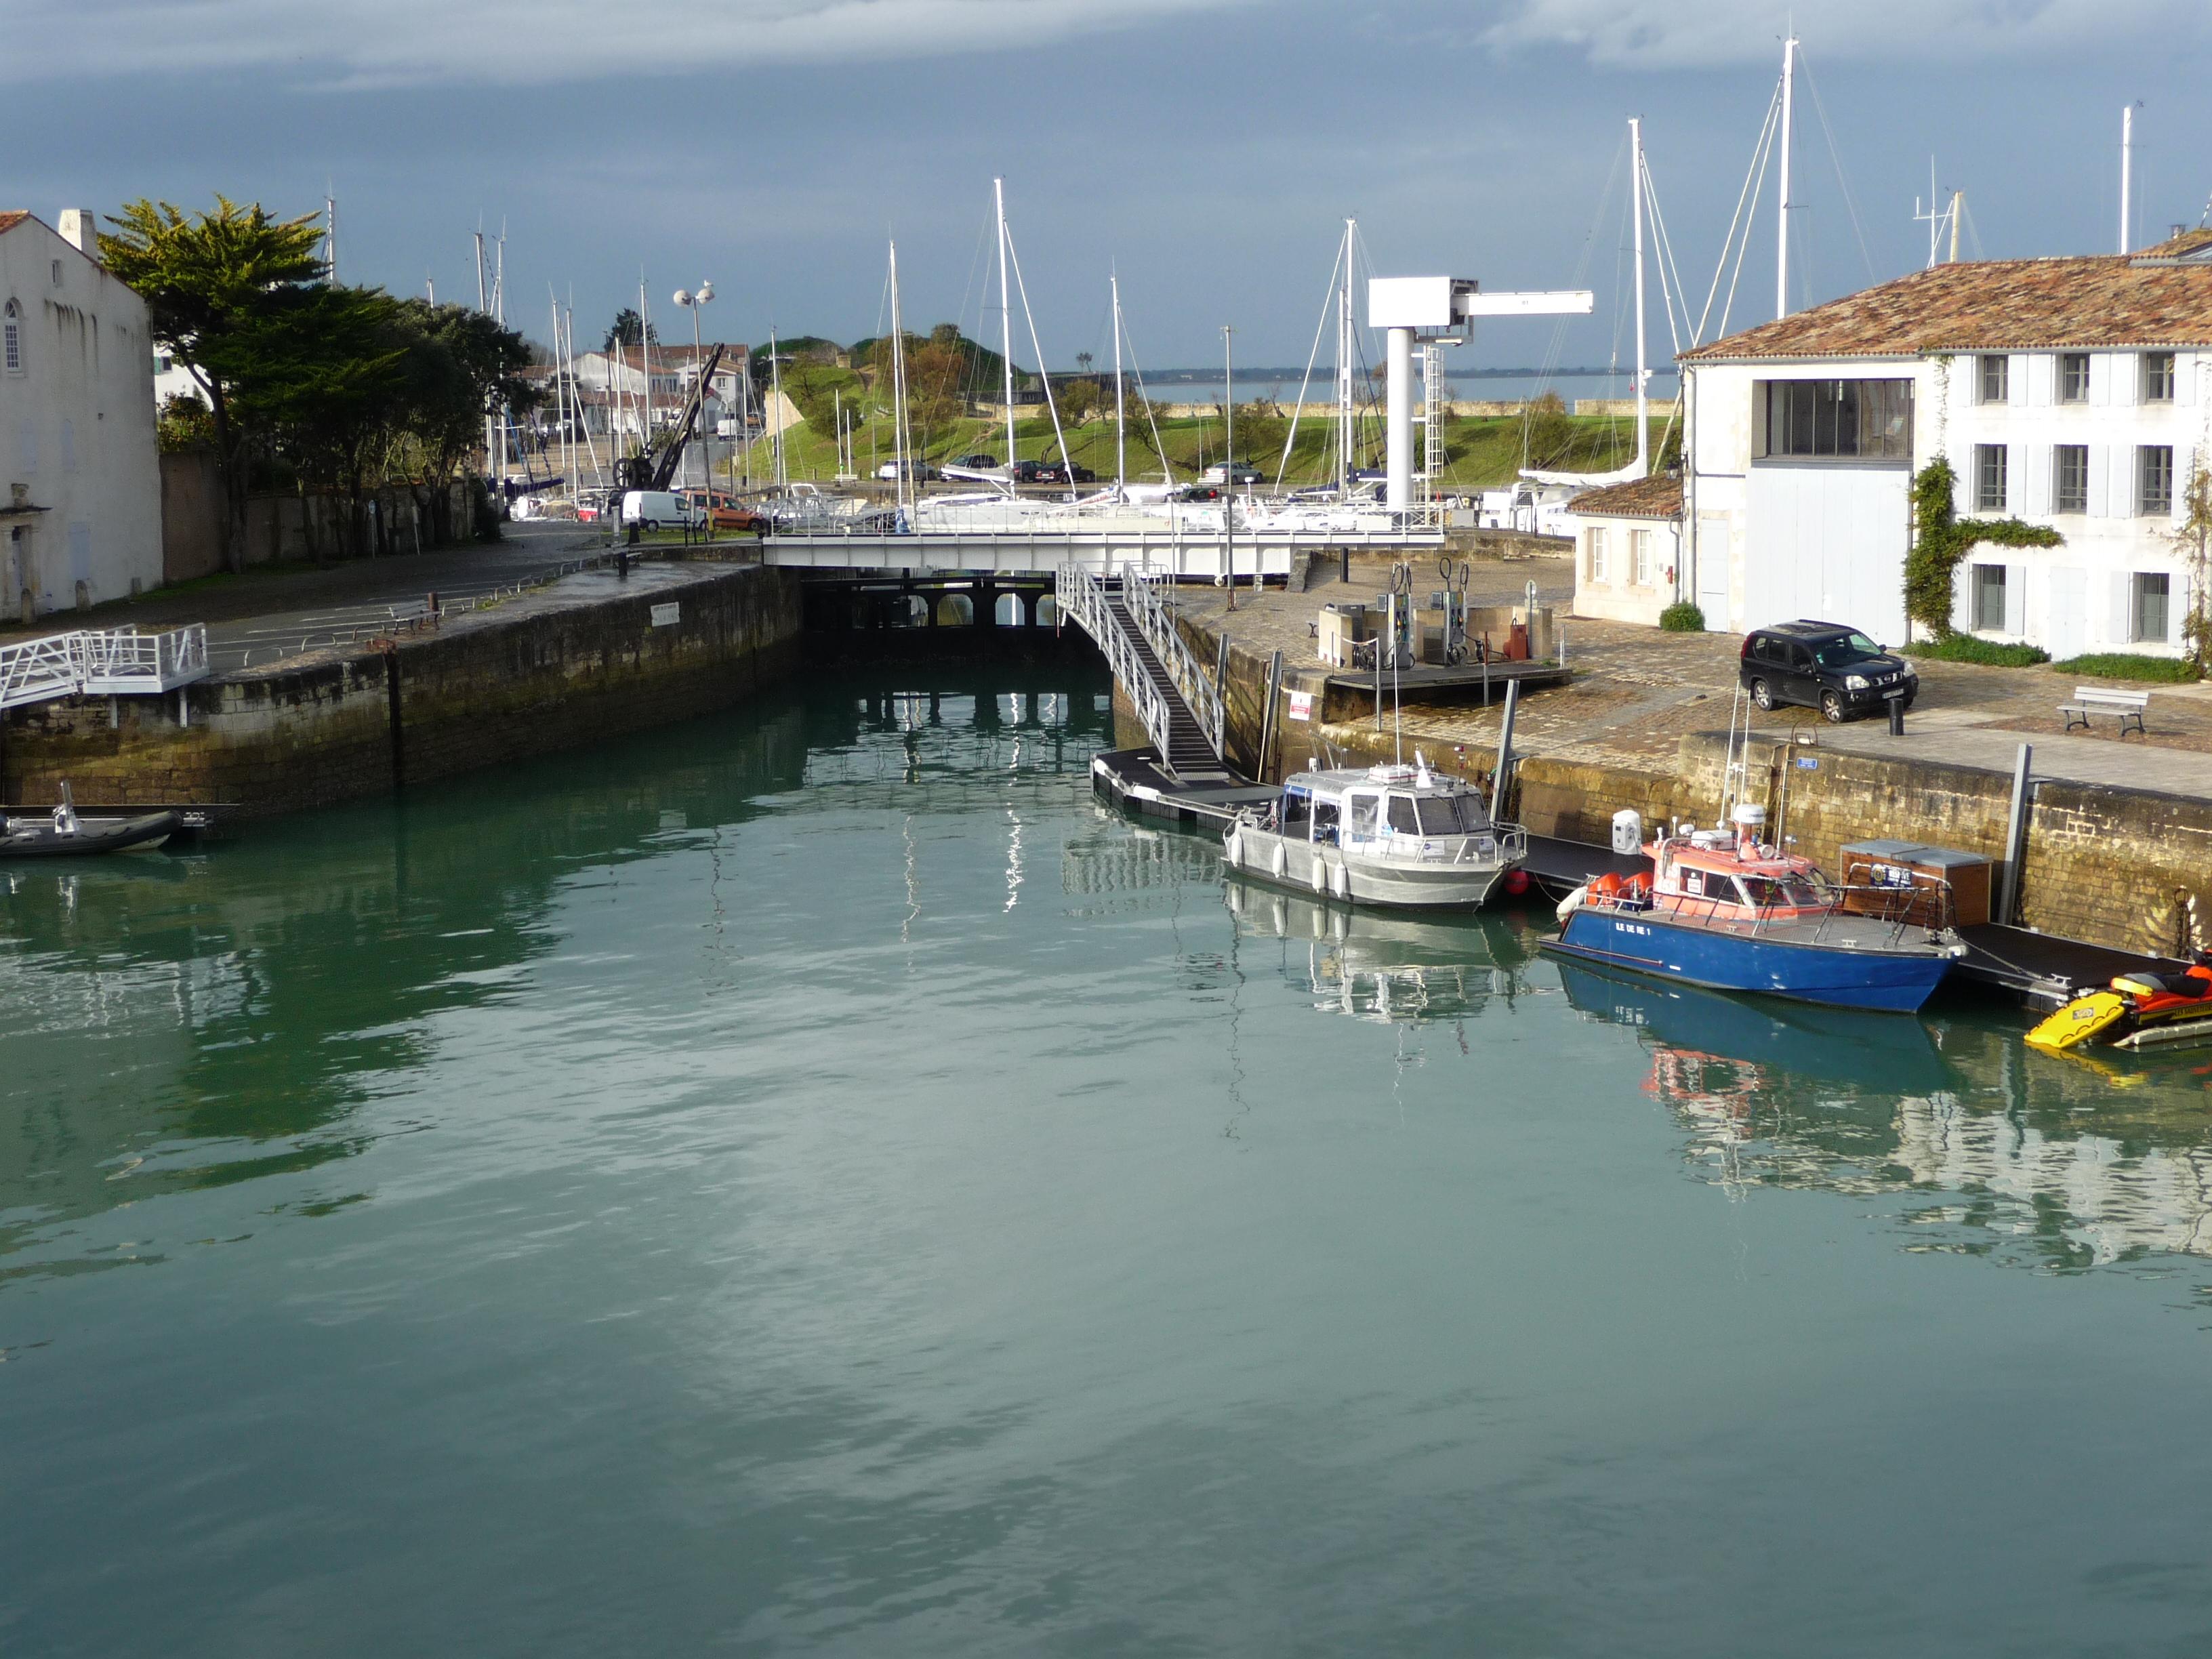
(79, 477)
(1628, 548)
(2067, 392)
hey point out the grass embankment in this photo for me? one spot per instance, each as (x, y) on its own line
(1479, 453)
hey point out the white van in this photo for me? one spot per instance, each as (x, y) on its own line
(654, 509)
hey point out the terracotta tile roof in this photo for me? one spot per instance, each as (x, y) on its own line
(1994, 305)
(1659, 496)
(2179, 247)
(9, 220)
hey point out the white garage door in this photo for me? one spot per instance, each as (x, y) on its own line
(1827, 543)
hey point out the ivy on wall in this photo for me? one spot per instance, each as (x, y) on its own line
(1940, 538)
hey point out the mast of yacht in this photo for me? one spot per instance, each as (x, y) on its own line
(1781, 218)
(1346, 414)
(898, 389)
(1120, 423)
(1642, 398)
(1006, 318)
(775, 385)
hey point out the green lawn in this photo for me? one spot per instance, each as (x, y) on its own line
(1480, 452)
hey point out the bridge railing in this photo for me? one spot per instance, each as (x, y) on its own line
(37, 669)
(1082, 595)
(102, 662)
(123, 661)
(1148, 602)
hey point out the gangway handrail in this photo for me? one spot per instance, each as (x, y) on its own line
(102, 662)
(1155, 621)
(1082, 595)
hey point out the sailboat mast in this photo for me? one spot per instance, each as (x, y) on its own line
(898, 388)
(1120, 422)
(1642, 398)
(2127, 173)
(775, 382)
(1345, 413)
(1782, 233)
(1005, 315)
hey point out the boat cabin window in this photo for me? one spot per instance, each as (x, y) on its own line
(1693, 883)
(1324, 821)
(1297, 812)
(1766, 891)
(1360, 811)
(1450, 815)
(1402, 821)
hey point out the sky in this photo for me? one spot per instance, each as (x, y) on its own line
(1208, 150)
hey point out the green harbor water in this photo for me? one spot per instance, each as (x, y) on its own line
(812, 1180)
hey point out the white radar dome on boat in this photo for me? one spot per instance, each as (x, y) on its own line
(1748, 817)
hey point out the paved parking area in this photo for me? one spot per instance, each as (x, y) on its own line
(1638, 691)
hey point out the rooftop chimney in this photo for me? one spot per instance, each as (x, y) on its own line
(80, 229)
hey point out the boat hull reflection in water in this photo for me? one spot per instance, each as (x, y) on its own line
(1386, 964)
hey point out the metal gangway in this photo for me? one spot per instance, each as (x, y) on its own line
(1135, 625)
(101, 662)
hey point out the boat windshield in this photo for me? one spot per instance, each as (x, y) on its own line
(1767, 892)
(1450, 815)
(1842, 652)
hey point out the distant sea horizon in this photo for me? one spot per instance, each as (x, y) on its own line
(1474, 385)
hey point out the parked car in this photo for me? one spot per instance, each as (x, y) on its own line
(1823, 665)
(1199, 492)
(654, 509)
(916, 471)
(978, 462)
(1026, 472)
(741, 520)
(1081, 474)
(1233, 473)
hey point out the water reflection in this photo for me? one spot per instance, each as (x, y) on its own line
(1381, 964)
(178, 1021)
(2027, 1159)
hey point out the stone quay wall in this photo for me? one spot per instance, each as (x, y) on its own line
(2125, 868)
(541, 673)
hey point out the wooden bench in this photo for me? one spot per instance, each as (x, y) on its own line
(2089, 700)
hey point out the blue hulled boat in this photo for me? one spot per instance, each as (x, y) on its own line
(1729, 913)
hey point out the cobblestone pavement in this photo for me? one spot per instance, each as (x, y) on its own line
(1637, 692)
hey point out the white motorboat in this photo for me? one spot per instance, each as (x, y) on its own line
(1387, 835)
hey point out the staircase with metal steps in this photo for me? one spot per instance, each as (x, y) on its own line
(1185, 748)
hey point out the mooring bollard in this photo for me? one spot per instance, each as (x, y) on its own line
(1897, 717)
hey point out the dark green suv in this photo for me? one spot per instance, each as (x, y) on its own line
(1823, 665)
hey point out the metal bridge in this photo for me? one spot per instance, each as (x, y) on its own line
(102, 662)
(1134, 626)
(1193, 554)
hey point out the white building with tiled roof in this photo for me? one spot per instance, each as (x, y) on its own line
(2070, 393)
(1628, 548)
(80, 474)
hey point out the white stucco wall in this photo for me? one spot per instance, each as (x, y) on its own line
(76, 430)
(1612, 592)
(1785, 540)
(2077, 596)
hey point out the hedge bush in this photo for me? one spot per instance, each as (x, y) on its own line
(1965, 648)
(2125, 666)
(1682, 617)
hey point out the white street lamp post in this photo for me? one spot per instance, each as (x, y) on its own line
(691, 302)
